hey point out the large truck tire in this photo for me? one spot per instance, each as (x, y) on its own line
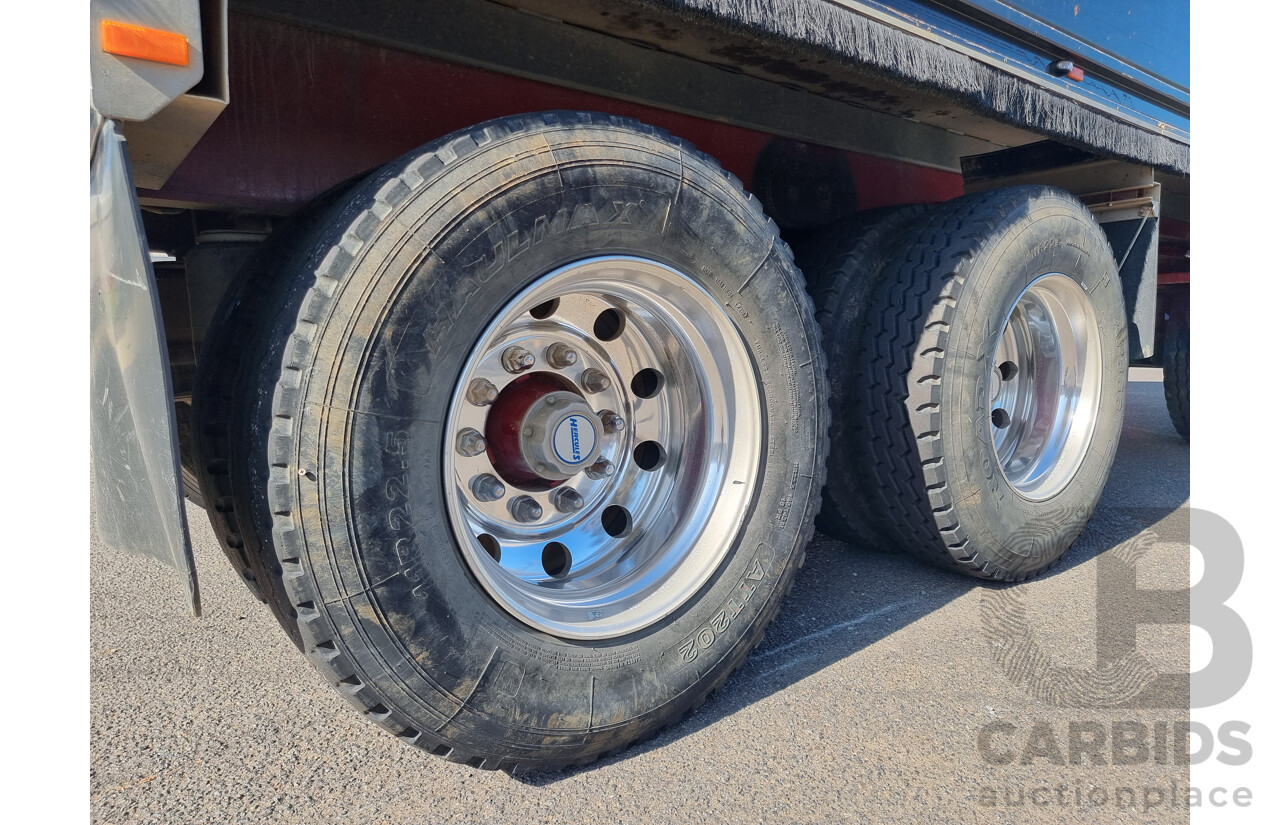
(989, 389)
(548, 422)
(1177, 365)
(227, 410)
(187, 462)
(843, 265)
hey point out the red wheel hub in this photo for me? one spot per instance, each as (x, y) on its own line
(502, 428)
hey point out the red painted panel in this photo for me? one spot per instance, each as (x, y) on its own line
(310, 109)
(1174, 265)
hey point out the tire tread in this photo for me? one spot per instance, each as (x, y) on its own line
(1177, 367)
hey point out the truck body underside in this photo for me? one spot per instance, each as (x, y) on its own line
(822, 110)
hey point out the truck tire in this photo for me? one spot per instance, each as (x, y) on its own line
(548, 429)
(190, 479)
(226, 410)
(991, 378)
(1177, 365)
(843, 266)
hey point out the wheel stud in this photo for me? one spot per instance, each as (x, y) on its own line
(561, 356)
(613, 423)
(594, 380)
(487, 488)
(517, 359)
(601, 469)
(566, 499)
(524, 509)
(482, 392)
(471, 443)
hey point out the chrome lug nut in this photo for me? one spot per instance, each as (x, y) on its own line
(471, 443)
(566, 499)
(482, 393)
(594, 380)
(517, 359)
(601, 469)
(613, 423)
(524, 509)
(486, 487)
(561, 356)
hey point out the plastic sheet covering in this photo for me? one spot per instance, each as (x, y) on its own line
(133, 437)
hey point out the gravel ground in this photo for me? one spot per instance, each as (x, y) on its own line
(865, 703)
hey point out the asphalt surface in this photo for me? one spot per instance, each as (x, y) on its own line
(867, 701)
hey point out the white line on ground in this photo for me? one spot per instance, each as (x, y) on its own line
(808, 638)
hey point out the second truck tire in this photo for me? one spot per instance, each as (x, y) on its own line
(843, 265)
(1177, 364)
(985, 389)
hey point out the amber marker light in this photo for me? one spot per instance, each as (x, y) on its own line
(145, 44)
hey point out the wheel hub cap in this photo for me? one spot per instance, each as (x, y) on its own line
(558, 437)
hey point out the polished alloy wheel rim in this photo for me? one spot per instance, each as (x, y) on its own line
(1046, 380)
(602, 447)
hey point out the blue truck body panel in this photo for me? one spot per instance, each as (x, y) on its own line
(1135, 55)
(1147, 38)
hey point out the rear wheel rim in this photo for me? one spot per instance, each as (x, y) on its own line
(1045, 386)
(602, 447)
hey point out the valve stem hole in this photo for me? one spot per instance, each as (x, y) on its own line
(616, 521)
(545, 309)
(646, 383)
(609, 325)
(649, 455)
(491, 546)
(556, 560)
